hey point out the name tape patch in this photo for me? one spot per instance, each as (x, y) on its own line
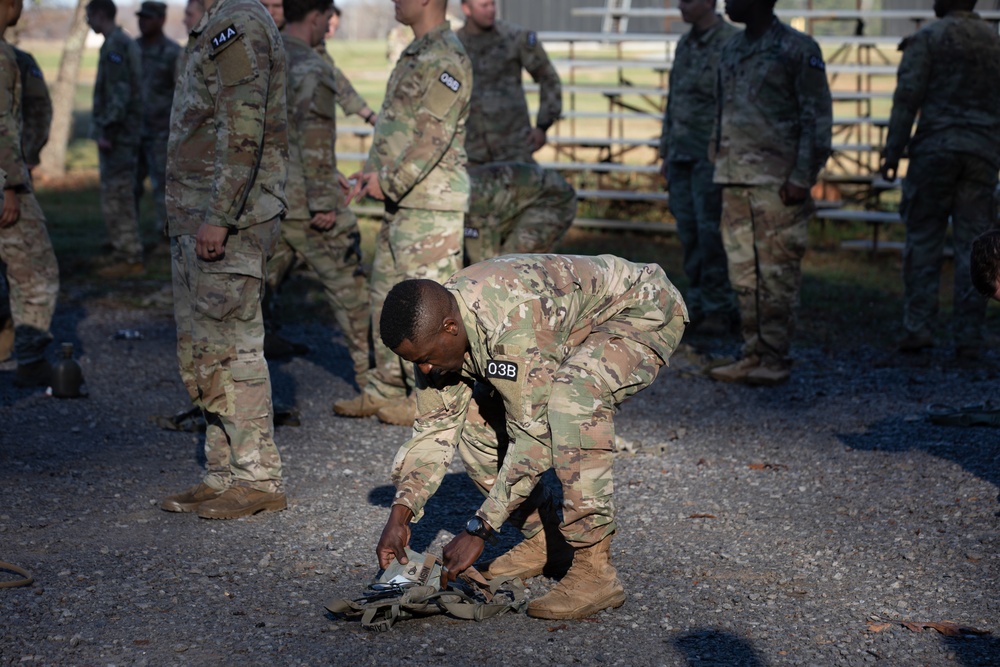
(817, 62)
(502, 370)
(225, 36)
(450, 82)
(471, 233)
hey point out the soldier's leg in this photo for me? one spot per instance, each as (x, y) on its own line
(738, 240)
(118, 205)
(33, 276)
(682, 206)
(780, 238)
(156, 165)
(141, 172)
(974, 213)
(928, 200)
(227, 347)
(539, 228)
(717, 296)
(6, 323)
(413, 243)
(279, 265)
(334, 256)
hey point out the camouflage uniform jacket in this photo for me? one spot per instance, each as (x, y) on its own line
(950, 74)
(117, 110)
(687, 125)
(499, 125)
(774, 116)
(524, 315)
(36, 107)
(11, 155)
(418, 144)
(312, 132)
(347, 97)
(159, 76)
(228, 151)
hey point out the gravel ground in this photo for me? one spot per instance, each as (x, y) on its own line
(792, 526)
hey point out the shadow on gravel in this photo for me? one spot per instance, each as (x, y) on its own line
(976, 651)
(975, 448)
(709, 648)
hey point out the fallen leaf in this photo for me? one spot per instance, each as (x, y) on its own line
(141, 642)
(946, 628)
(767, 466)
(878, 627)
(556, 628)
(702, 516)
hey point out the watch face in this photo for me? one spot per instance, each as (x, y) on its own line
(474, 526)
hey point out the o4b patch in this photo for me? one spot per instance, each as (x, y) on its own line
(501, 370)
(471, 233)
(532, 38)
(115, 57)
(817, 63)
(450, 82)
(224, 37)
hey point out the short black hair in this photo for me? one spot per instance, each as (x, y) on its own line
(405, 311)
(336, 10)
(296, 10)
(105, 7)
(984, 262)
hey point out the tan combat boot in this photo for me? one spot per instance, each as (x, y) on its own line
(239, 501)
(188, 501)
(590, 586)
(6, 339)
(400, 412)
(736, 371)
(122, 270)
(769, 374)
(535, 555)
(33, 374)
(362, 405)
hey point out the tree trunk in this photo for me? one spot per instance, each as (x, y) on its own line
(63, 91)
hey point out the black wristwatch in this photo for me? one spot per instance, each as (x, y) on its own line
(480, 529)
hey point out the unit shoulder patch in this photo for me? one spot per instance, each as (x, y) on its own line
(450, 82)
(501, 370)
(115, 57)
(816, 62)
(225, 36)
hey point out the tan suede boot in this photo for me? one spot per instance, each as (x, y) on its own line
(188, 501)
(401, 412)
(239, 501)
(362, 405)
(533, 556)
(590, 586)
(736, 371)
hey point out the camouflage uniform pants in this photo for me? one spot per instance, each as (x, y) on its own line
(412, 243)
(536, 230)
(765, 242)
(118, 206)
(33, 277)
(152, 162)
(220, 350)
(696, 203)
(937, 186)
(335, 257)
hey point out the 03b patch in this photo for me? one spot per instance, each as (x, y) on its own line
(501, 370)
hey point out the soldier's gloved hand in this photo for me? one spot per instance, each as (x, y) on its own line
(210, 244)
(324, 221)
(792, 194)
(889, 168)
(459, 555)
(395, 537)
(536, 139)
(11, 208)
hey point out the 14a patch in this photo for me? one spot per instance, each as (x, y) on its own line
(501, 370)
(450, 82)
(225, 36)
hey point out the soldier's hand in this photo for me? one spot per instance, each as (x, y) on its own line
(370, 187)
(324, 221)
(792, 194)
(210, 244)
(355, 182)
(104, 145)
(345, 185)
(11, 208)
(888, 169)
(458, 555)
(536, 139)
(395, 537)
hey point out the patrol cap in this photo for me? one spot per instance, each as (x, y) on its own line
(152, 9)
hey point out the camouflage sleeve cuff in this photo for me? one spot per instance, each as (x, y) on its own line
(220, 219)
(493, 513)
(410, 503)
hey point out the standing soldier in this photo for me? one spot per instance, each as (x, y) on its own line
(695, 199)
(115, 123)
(226, 167)
(314, 227)
(772, 138)
(950, 76)
(417, 166)
(516, 208)
(563, 341)
(499, 127)
(25, 246)
(193, 12)
(159, 74)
